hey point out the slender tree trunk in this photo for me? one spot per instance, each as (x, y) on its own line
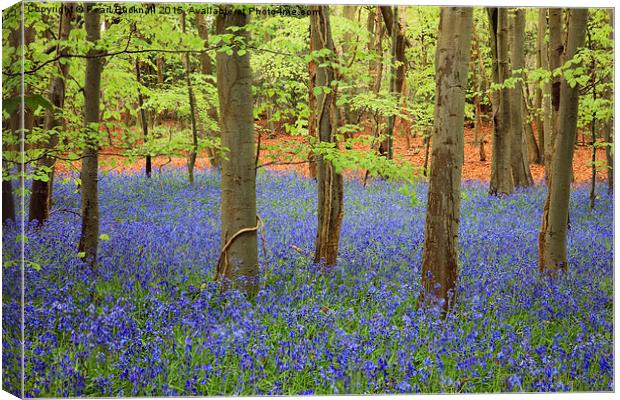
(192, 107)
(41, 196)
(546, 143)
(376, 66)
(440, 258)
(207, 69)
(533, 152)
(552, 237)
(541, 54)
(556, 50)
(519, 164)
(89, 238)
(483, 86)
(330, 183)
(20, 122)
(609, 124)
(501, 174)
(427, 146)
(397, 71)
(593, 123)
(477, 81)
(312, 115)
(238, 266)
(143, 120)
(350, 44)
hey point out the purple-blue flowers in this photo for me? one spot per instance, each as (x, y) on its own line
(144, 322)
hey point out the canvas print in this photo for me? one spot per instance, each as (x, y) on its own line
(206, 199)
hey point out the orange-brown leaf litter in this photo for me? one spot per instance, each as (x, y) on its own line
(473, 168)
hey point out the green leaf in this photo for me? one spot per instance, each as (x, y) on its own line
(104, 236)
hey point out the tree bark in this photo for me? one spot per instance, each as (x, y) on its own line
(501, 174)
(547, 141)
(397, 71)
(541, 54)
(609, 124)
(556, 50)
(519, 163)
(191, 162)
(440, 258)
(89, 238)
(552, 236)
(14, 125)
(239, 261)
(330, 183)
(312, 114)
(143, 121)
(207, 69)
(41, 196)
(20, 122)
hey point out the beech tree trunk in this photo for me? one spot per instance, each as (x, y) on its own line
(533, 154)
(556, 50)
(41, 196)
(143, 121)
(191, 162)
(440, 258)
(501, 174)
(546, 144)
(519, 163)
(376, 66)
(18, 128)
(541, 54)
(330, 183)
(397, 71)
(14, 125)
(206, 67)
(484, 84)
(238, 266)
(312, 115)
(553, 232)
(609, 125)
(89, 238)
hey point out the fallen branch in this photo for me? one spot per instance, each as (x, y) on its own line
(224, 255)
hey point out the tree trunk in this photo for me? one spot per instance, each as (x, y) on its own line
(41, 196)
(501, 174)
(312, 114)
(440, 258)
(541, 54)
(350, 44)
(89, 238)
(20, 121)
(376, 66)
(609, 124)
(556, 49)
(397, 71)
(519, 164)
(143, 120)
(238, 266)
(484, 84)
(533, 152)
(552, 236)
(191, 162)
(547, 141)
(330, 183)
(207, 69)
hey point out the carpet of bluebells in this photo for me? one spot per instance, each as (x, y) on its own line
(141, 324)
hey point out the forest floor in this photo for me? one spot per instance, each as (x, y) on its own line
(414, 152)
(150, 321)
